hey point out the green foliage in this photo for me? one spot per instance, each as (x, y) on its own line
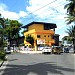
(70, 7)
(70, 11)
(30, 39)
(71, 31)
(68, 39)
(12, 31)
(10, 28)
(70, 19)
(71, 34)
(2, 55)
(1, 39)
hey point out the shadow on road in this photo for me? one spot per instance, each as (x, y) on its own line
(12, 59)
(37, 69)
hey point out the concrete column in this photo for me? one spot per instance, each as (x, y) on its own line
(35, 45)
(35, 48)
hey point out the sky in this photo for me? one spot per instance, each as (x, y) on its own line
(27, 11)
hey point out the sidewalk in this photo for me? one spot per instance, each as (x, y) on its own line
(31, 52)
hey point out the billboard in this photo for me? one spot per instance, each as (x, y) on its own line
(41, 41)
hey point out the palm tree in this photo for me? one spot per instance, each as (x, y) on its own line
(70, 11)
(70, 31)
(1, 31)
(71, 17)
(70, 7)
(68, 39)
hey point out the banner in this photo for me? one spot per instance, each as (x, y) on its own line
(41, 41)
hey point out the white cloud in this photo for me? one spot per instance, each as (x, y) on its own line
(22, 14)
(48, 10)
(53, 12)
(11, 15)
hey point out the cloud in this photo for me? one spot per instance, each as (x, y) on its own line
(50, 11)
(9, 14)
(41, 10)
(22, 14)
(45, 8)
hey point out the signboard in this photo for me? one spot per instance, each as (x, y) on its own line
(41, 41)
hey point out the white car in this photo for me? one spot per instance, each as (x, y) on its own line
(47, 50)
(7, 51)
(71, 50)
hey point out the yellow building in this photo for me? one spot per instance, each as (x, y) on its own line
(41, 32)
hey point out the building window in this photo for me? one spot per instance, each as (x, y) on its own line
(46, 27)
(38, 36)
(44, 35)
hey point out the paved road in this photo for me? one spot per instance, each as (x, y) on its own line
(39, 64)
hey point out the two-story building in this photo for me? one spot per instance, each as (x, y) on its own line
(41, 32)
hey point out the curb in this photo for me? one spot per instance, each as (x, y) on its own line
(1, 63)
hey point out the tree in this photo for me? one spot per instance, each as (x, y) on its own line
(68, 39)
(71, 16)
(2, 30)
(70, 31)
(12, 30)
(70, 19)
(70, 11)
(70, 7)
(30, 39)
(9, 28)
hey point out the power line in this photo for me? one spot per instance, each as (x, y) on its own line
(52, 9)
(45, 6)
(42, 7)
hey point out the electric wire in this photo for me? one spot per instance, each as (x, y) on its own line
(49, 10)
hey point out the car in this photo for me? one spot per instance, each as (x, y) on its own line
(47, 50)
(7, 51)
(71, 50)
(57, 50)
(66, 50)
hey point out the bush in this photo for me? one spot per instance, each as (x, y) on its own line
(2, 55)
